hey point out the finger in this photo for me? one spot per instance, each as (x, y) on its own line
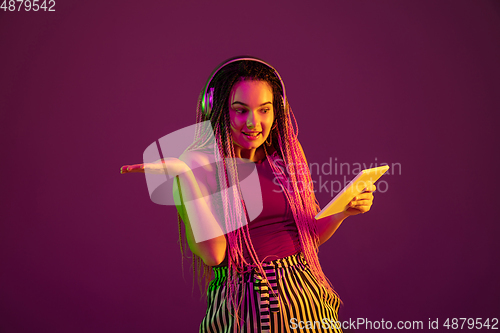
(355, 211)
(363, 196)
(135, 168)
(361, 209)
(370, 188)
(360, 203)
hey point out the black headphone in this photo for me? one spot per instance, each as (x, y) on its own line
(207, 99)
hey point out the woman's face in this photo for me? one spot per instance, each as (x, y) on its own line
(251, 113)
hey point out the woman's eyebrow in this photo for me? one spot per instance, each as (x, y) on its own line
(247, 105)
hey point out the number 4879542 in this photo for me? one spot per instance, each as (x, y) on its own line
(28, 5)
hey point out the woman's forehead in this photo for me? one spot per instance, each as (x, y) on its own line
(256, 91)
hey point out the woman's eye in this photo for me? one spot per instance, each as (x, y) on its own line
(239, 110)
(265, 110)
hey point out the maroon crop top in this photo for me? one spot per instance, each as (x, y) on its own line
(274, 232)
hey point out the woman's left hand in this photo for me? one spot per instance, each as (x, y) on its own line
(361, 203)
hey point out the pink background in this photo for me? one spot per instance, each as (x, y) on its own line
(85, 89)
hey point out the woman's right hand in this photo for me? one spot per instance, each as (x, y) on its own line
(170, 166)
(193, 198)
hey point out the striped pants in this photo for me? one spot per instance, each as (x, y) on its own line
(298, 303)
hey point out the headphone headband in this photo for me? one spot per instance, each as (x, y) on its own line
(207, 97)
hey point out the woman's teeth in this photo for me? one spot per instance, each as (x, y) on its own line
(252, 136)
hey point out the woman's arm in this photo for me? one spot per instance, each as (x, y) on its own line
(203, 232)
(327, 226)
(193, 203)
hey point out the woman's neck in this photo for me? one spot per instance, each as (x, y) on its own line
(253, 155)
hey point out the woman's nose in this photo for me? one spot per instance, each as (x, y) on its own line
(252, 120)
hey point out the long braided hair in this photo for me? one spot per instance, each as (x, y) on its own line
(287, 162)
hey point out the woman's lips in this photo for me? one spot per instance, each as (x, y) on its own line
(252, 135)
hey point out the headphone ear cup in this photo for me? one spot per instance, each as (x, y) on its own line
(209, 101)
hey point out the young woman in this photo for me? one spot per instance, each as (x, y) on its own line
(261, 269)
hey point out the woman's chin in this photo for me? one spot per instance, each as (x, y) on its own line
(252, 145)
(247, 145)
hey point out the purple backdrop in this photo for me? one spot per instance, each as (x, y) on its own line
(85, 89)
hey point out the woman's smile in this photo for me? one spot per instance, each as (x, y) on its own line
(252, 135)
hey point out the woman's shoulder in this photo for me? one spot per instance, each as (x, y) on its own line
(198, 157)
